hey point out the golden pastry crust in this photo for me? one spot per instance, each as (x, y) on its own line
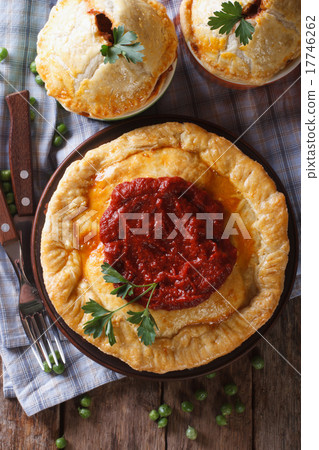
(276, 40)
(71, 65)
(188, 337)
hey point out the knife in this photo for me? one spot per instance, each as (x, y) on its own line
(20, 157)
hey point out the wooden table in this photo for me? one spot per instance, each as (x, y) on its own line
(120, 410)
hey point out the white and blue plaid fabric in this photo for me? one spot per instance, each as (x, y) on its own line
(276, 135)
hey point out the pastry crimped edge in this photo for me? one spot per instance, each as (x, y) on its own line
(240, 68)
(193, 345)
(61, 85)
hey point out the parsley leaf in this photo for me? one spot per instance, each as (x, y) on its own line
(103, 317)
(123, 45)
(226, 19)
(244, 31)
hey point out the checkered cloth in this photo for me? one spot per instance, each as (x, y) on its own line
(276, 135)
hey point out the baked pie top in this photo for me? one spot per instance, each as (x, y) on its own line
(71, 65)
(189, 336)
(275, 41)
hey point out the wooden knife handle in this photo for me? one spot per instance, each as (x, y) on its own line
(7, 230)
(20, 152)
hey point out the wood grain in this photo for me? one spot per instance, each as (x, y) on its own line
(20, 432)
(276, 388)
(120, 410)
(210, 435)
(20, 150)
(5, 221)
(119, 418)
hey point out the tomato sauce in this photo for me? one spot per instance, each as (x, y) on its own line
(186, 262)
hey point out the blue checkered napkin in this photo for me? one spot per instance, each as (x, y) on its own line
(276, 135)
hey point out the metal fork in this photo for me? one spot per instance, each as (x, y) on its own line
(35, 321)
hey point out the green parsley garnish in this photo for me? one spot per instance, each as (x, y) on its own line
(227, 18)
(102, 318)
(123, 44)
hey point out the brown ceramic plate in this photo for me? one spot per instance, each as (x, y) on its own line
(90, 350)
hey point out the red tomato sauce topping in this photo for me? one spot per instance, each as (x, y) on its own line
(187, 265)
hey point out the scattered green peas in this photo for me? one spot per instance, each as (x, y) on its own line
(57, 141)
(39, 80)
(154, 415)
(32, 115)
(226, 409)
(13, 209)
(10, 198)
(239, 407)
(165, 410)
(162, 422)
(6, 187)
(257, 362)
(61, 442)
(187, 406)
(62, 128)
(211, 375)
(84, 413)
(5, 175)
(86, 401)
(33, 68)
(230, 389)
(3, 53)
(58, 368)
(201, 394)
(221, 420)
(191, 433)
(32, 101)
(57, 354)
(46, 367)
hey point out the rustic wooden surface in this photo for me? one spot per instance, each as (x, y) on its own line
(120, 410)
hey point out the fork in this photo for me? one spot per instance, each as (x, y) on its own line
(36, 323)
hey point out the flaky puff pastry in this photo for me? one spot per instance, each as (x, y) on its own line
(275, 42)
(188, 337)
(71, 65)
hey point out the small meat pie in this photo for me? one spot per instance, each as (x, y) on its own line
(212, 294)
(275, 41)
(70, 63)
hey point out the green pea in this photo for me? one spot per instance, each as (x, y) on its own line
(6, 187)
(33, 68)
(84, 413)
(162, 422)
(221, 421)
(187, 406)
(57, 141)
(46, 367)
(39, 80)
(5, 175)
(58, 369)
(154, 415)
(62, 128)
(211, 375)
(257, 362)
(3, 53)
(86, 401)
(230, 389)
(32, 115)
(165, 410)
(32, 101)
(57, 354)
(226, 409)
(10, 198)
(191, 433)
(13, 209)
(201, 394)
(239, 407)
(61, 442)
